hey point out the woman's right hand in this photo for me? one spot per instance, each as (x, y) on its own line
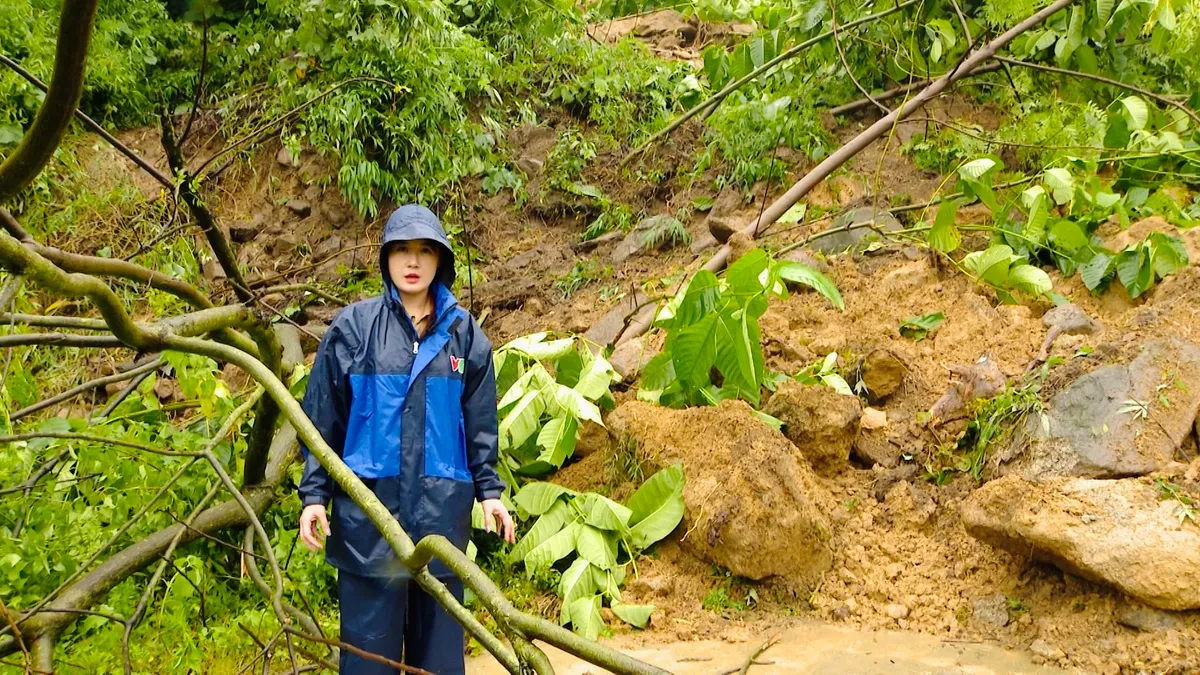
(314, 526)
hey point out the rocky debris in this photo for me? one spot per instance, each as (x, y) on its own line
(858, 228)
(1115, 532)
(1111, 422)
(873, 418)
(242, 232)
(665, 30)
(647, 235)
(533, 145)
(610, 326)
(629, 358)
(722, 221)
(881, 372)
(282, 244)
(300, 207)
(212, 270)
(702, 243)
(591, 244)
(506, 293)
(889, 477)
(806, 258)
(1066, 319)
(983, 379)
(991, 611)
(167, 390)
(896, 611)
(1046, 650)
(284, 158)
(1146, 619)
(753, 506)
(819, 421)
(328, 247)
(873, 447)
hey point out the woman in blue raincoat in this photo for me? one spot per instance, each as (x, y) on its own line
(403, 389)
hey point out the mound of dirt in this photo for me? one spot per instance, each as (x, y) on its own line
(819, 421)
(1117, 532)
(753, 506)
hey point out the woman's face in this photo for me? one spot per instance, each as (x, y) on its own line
(412, 265)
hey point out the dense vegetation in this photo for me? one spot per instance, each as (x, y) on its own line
(413, 101)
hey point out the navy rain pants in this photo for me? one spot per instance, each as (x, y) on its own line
(396, 618)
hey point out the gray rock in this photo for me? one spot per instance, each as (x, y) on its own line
(530, 166)
(610, 326)
(703, 243)
(806, 258)
(991, 611)
(1145, 619)
(1046, 650)
(506, 293)
(300, 207)
(1070, 319)
(328, 247)
(1089, 429)
(629, 358)
(721, 228)
(859, 229)
(284, 158)
(1114, 532)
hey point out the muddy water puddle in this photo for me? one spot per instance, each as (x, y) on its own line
(814, 648)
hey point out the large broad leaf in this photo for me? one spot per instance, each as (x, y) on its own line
(703, 294)
(694, 350)
(944, 236)
(579, 581)
(523, 420)
(976, 169)
(1031, 280)
(557, 440)
(551, 523)
(1096, 271)
(799, 273)
(1130, 264)
(1136, 111)
(597, 546)
(596, 378)
(1067, 236)
(657, 376)
(605, 514)
(745, 275)
(1169, 253)
(637, 616)
(585, 617)
(991, 265)
(538, 498)
(570, 402)
(555, 548)
(1104, 9)
(657, 507)
(534, 347)
(1061, 184)
(534, 379)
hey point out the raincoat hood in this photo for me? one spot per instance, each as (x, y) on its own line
(413, 221)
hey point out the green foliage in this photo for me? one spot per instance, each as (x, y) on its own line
(540, 412)
(665, 230)
(1187, 504)
(582, 273)
(917, 328)
(992, 424)
(746, 134)
(712, 325)
(592, 539)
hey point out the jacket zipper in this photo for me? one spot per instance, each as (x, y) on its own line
(416, 345)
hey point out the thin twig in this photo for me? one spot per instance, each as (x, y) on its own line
(187, 128)
(837, 43)
(154, 364)
(20, 640)
(357, 652)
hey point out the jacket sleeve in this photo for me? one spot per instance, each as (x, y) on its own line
(327, 404)
(479, 415)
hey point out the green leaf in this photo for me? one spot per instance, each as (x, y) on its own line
(557, 440)
(1066, 235)
(944, 236)
(570, 402)
(597, 547)
(585, 617)
(657, 376)
(596, 378)
(523, 420)
(1096, 271)
(657, 507)
(918, 327)
(799, 273)
(637, 616)
(550, 524)
(605, 514)
(1032, 280)
(694, 350)
(1137, 112)
(773, 422)
(579, 581)
(1169, 253)
(703, 294)
(1061, 184)
(1129, 264)
(976, 169)
(794, 214)
(990, 265)
(1104, 10)
(556, 547)
(532, 346)
(538, 498)
(703, 203)
(744, 276)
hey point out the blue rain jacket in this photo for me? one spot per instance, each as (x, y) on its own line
(415, 418)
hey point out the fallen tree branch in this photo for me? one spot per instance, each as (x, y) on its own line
(146, 367)
(60, 339)
(837, 43)
(855, 106)
(54, 115)
(356, 651)
(713, 101)
(1104, 80)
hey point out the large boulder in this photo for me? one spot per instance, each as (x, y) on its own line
(752, 505)
(1115, 532)
(819, 421)
(856, 228)
(1116, 421)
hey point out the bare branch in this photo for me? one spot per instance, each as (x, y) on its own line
(187, 128)
(59, 339)
(147, 367)
(837, 43)
(357, 652)
(66, 85)
(854, 106)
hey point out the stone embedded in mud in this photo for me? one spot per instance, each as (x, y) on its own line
(242, 232)
(872, 447)
(300, 207)
(752, 505)
(612, 324)
(858, 228)
(1115, 532)
(991, 611)
(896, 611)
(983, 379)
(819, 421)
(629, 359)
(1046, 650)
(284, 158)
(882, 373)
(1145, 619)
(1093, 428)
(642, 238)
(506, 293)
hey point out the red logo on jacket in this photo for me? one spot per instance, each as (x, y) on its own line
(457, 365)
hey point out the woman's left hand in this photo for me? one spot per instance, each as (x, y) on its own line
(496, 519)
